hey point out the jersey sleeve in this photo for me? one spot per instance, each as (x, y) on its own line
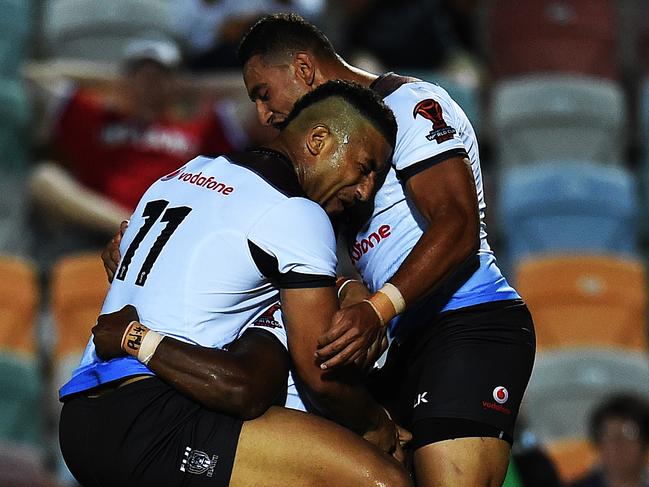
(428, 129)
(294, 245)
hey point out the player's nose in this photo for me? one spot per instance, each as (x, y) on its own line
(264, 115)
(365, 188)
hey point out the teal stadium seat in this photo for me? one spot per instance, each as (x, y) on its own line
(559, 117)
(21, 409)
(15, 113)
(99, 30)
(14, 31)
(567, 207)
(565, 387)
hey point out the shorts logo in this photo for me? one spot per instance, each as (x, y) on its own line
(421, 398)
(431, 110)
(500, 395)
(198, 462)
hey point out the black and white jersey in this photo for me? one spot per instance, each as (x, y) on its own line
(207, 250)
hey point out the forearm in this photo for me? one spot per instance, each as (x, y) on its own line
(341, 396)
(218, 379)
(60, 194)
(212, 377)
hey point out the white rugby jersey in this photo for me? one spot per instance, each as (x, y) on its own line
(207, 250)
(431, 129)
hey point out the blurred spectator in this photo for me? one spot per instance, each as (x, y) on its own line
(212, 29)
(420, 34)
(619, 428)
(108, 154)
(533, 466)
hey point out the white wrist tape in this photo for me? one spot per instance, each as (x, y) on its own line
(393, 293)
(149, 345)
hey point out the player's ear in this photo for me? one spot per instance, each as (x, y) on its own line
(317, 138)
(304, 68)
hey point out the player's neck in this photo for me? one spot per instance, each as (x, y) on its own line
(344, 70)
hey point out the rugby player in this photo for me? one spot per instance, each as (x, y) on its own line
(463, 343)
(208, 249)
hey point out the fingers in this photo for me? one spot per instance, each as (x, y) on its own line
(404, 436)
(344, 357)
(122, 229)
(334, 347)
(331, 335)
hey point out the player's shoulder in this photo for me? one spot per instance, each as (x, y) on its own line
(407, 95)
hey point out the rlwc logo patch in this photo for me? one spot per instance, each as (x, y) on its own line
(431, 110)
(267, 318)
(197, 462)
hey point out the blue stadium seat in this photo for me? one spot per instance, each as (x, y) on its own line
(99, 31)
(15, 112)
(21, 405)
(14, 30)
(565, 386)
(567, 207)
(559, 117)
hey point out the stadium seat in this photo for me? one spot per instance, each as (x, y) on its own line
(567, 207)
(18, 305)
(572, 457)
(78, 288)
(566, 385)
(20, 382)
(573, 36)
(585, 301)
(15, 113)
(99, 31)
(558, 117)
(643, 112)
(14, 31)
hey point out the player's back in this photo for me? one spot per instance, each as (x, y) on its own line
(185, 256)
(203, 248)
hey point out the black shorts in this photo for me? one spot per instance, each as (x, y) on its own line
(461, 375)
(146, 434)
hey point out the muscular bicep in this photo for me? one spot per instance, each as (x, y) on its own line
(307, 315)
(446, 188)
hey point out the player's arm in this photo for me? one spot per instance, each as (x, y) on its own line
(445, 195)
(340, 394)
(228, 381)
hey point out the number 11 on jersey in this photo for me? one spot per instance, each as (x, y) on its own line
(173, 217)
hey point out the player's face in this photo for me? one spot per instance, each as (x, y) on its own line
(354, 170)
(273, 88)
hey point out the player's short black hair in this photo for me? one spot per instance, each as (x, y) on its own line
(366, 101)
(624, 406)
(279, 33)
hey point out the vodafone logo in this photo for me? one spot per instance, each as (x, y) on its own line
(500, 395)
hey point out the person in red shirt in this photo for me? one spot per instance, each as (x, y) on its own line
(109, 154)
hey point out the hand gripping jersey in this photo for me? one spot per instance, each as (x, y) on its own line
(431, 129)
(207, 250)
